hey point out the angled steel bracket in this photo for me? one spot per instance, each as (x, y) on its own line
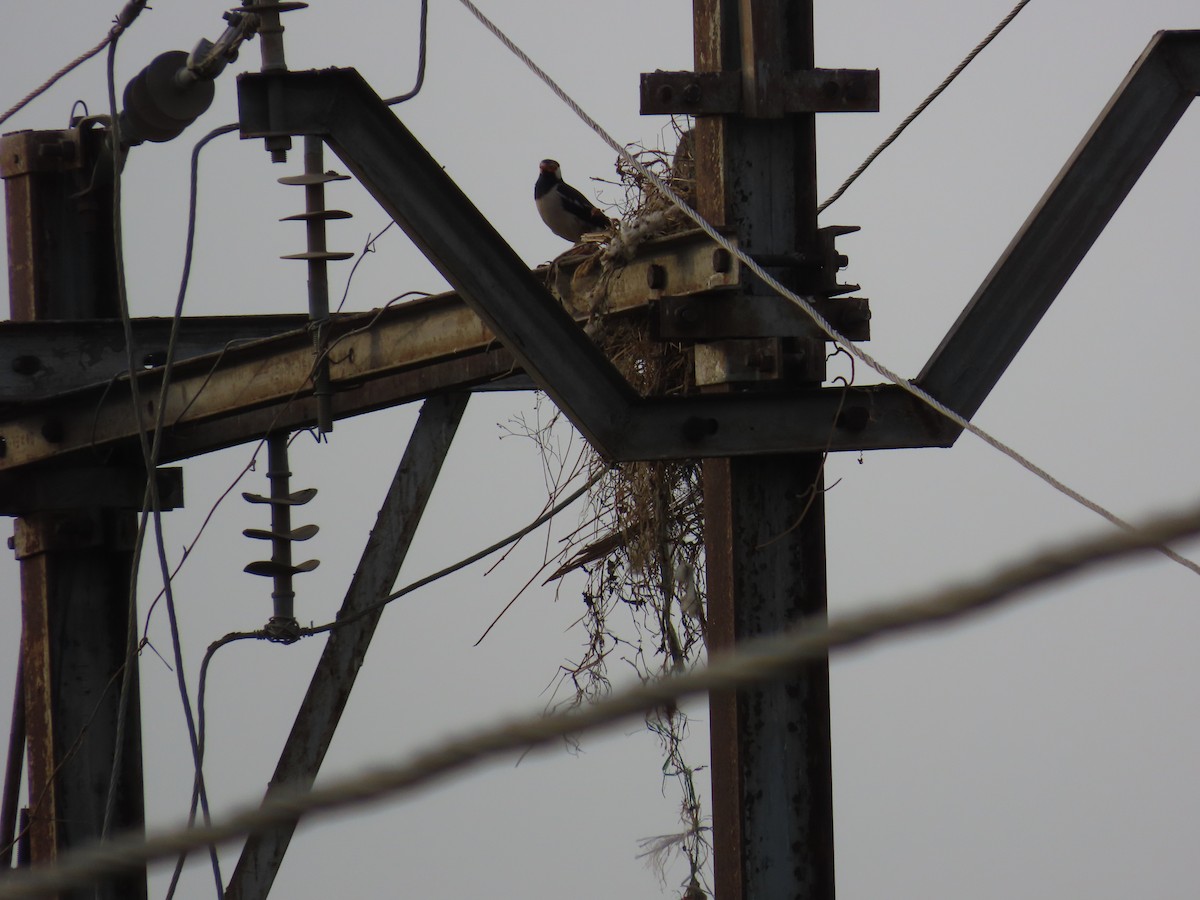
(1066, 222)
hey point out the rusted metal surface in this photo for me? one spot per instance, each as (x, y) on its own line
(1066, 222)
(772, 800)
(722, 316)
(267, 373)
(764, 515)
(676, 265)
(719, 93)
(105, 486)
(39, 711)
(52, 205)
(75, 589)
(382, 358)
(75, 562)
(495, 367)
(346, 649)
(725, 760)
(40, 359)
(253, 392)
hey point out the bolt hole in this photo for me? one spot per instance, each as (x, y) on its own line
(696, 428)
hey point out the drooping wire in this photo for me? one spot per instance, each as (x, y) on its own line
(152, 503)
(887, 142)
(421, 53)
(807, 307)
(537, 523)
(201, 693)
(368, 247)
(755, 661)
(122, 21)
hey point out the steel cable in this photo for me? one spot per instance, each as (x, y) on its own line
(755, 661)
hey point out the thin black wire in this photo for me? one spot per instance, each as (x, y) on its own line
(424, 29)
(461, 564)
(261, 635)
(921, 107)
(152, 502)
(198, 789)
(368, 247)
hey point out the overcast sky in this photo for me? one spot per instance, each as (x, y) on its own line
(1045, 751)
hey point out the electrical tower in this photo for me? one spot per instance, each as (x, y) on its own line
(73, 474)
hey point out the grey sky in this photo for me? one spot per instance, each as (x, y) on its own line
(1046, 751)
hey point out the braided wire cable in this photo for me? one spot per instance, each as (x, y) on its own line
(755, 661)
(123, 20)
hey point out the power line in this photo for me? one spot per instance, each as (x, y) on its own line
(123, 20)
(755, 661)
(421, 52)
(887, 142)
(152, 502)
(807, 307)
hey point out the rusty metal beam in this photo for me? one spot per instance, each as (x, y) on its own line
(345, 651)
(813, 419)
(40, 359)
(720, 93)
(1066, 222)
(43, 358)
(215, 403)
(724, 316)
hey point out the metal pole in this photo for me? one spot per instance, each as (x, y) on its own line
(75, 555)
(764, 515)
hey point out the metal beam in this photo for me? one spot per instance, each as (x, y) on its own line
(216, 403)
(39, 359)
(410, 185)
(1066, 222)
(43, 358)
(720, 93)
(346, 648)
(815, 420)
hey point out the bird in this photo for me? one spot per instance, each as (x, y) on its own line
(565, 211)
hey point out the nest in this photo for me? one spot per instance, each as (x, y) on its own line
(640, 542)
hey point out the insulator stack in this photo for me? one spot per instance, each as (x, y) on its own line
(318, 256)
(282, 535)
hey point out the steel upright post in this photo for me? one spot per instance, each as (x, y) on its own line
(75, 553)
(765, 538)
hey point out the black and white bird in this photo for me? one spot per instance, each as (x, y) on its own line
(565, 211)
